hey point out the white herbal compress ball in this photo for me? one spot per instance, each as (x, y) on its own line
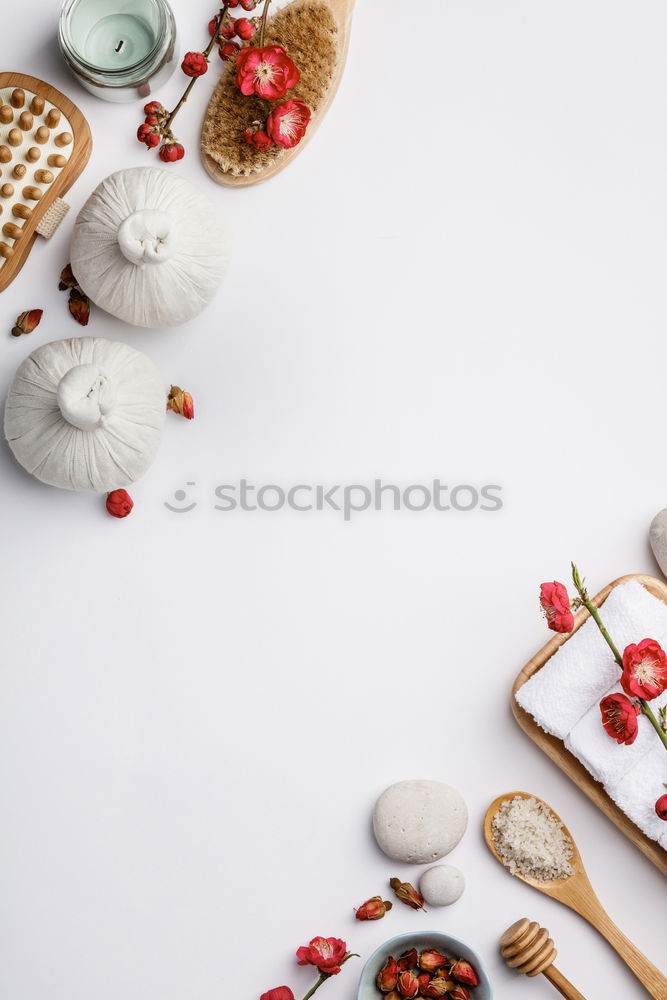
(149, 248)
(86, 414)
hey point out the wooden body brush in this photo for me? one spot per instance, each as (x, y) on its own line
(45, 143)
(316, 35)
(527, 947)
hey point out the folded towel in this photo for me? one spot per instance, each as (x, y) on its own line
(600, 754)
(637, 791)
(663, 840)
(583, 669)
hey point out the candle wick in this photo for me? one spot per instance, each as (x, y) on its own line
(120, 45)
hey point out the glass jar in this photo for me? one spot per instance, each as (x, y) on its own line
(120, 50)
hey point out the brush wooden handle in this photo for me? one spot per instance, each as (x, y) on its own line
(651, 978)
(563, 985)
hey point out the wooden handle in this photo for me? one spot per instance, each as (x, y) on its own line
(651, 978)
(563, 985)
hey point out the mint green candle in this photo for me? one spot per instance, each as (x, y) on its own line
(119, 49)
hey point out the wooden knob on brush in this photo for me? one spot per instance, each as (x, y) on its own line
(527, 948)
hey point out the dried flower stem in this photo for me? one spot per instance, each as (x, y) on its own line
(206, 53)
(351, 954)
(262, 27)
(595, 615)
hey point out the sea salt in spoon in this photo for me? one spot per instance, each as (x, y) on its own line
(576, 892)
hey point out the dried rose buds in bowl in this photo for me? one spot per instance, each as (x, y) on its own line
(424, 965)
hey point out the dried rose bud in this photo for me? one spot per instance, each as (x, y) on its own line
(119, 503)
(463, 972)
(373, 909)
(435, 987)
(408, 984)
(432, 959)
(79, 306)
(407, 894)
(387, 977)
(394, 995)
(458, 993)
(67, 279)
(27, 322)
(408, 960)
(181, 402)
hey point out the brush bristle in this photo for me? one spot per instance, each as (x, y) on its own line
(309, 34)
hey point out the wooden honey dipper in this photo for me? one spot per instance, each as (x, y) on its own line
(527, 948)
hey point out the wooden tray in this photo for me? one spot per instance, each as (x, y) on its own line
(555, 748)
(78, 157)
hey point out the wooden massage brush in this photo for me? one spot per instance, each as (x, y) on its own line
(316, 35)
(527, 948)
(45, 143)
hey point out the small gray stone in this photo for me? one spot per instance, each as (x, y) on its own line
(658, 538)
(442, 885)
(419, 821)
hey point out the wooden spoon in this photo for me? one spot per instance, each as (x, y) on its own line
(527, 948)
(576, 892)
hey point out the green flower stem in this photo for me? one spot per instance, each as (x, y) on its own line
(595, 615)
(648, 712)
(262, 30)
(327, 975)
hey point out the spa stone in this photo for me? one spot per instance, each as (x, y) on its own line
(442, 885)
(418, 822)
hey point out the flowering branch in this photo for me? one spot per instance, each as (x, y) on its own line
(262, 26)
(595, 615)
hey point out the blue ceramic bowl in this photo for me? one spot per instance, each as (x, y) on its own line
(422, 940)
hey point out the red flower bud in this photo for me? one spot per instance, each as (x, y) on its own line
(387, 977)
(245, 29)
(619, 718)
(79, 306)
(373, 909)
(148, 135)
(459, 993)
(181, 402)
(232, 3)
(228, 50)
(435, 987)
(407, 961)
(463, 972)
(152, 120)
(248, 4)
(279, 993)
(171, 151)
(408, 984)
(661, 807)
(195, 64)
(155, 108)
(556, 606)
(432, 959)
(228, 30)
(407, 894)
(258, 138)
(27, 322)
(119, 503)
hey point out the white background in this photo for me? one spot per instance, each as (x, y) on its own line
(462, 276)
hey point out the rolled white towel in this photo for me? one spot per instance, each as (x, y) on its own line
(638, 790)
(582, 671)
(606, 760)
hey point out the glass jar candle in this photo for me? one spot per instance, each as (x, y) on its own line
(120, 50)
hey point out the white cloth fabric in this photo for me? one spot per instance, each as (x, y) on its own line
(564, 699)
(149, 248)
(606, 760)
(583, 670)
(637, 792)
(86, 414)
